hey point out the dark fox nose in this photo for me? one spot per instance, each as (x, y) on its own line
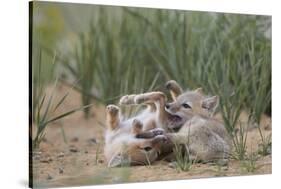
(167, 106)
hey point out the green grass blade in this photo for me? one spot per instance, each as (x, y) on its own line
(67, 113)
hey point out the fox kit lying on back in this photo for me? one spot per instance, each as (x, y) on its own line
(137, 140)
(204, 137)
(121, 145)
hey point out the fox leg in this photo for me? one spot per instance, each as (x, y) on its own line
(130, 100)
(127, 100)
(180, 141)
(112, 116)
(159, 100)
(150, 125)
(155, 101)
(201, 144)
(150, 134)
(139, 132)
(174, 88)
(149, 97)
(177, 138)
(137, 127)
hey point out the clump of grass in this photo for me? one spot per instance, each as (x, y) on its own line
(182, 156)
(44, 107)
(109, 59)
(249, 164)
(259, 87)
(220, 170)
(81, 65)
(239, 143)
(148, 163)
(39, 78)
(44, 118)
(265, 145)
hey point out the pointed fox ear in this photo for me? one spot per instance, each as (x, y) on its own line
(199, 90)
(119, 161)
(210, 103)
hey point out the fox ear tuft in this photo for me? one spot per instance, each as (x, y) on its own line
(210, 103)
(199, 90)
(119, 161)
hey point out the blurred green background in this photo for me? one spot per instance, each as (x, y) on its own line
(106, 52)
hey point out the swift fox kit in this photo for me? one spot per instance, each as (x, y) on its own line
(136, 140)
(205, 138)
(121, 145)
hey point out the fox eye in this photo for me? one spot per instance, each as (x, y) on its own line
(185, 105)
(148, 148)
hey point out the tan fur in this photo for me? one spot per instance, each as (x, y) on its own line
(155, 102)
(187, 120)
(205, 137)
(124, 141)
(122, 147)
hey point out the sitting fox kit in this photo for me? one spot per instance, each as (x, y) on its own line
(205, 137)
(185, 121)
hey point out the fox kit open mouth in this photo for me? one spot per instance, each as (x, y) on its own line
(175, 121)
(174, 118)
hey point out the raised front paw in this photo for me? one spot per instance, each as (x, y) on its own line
(112, 109)
(124, 100)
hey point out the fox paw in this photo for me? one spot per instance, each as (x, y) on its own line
(112, 109)
(171, 84)
(160, 139)
(157, 131)
(126, 100)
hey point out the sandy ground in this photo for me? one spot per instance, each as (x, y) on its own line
(72, 154)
